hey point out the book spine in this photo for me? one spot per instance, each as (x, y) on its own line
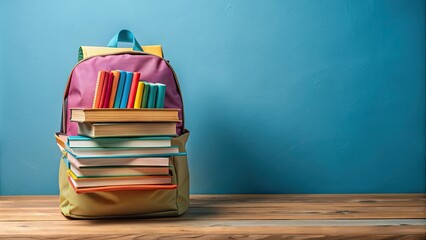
(96, 89)
(145, 95)
(161, 95)
(152, 95)
(120, 88)
(126, 90)
(133, 89)
(108, 90)
(138, 98)
(114, 88)
(99, 89)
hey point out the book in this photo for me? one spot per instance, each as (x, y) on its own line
(93, 162)
(117, 181)
(96, 130)
(115, 80)
(98, 89)
(108, 86)
(133, 90)
(124, 115)
(126, 90)
(145, 95)
(103, 92)
(81, 141)
(138, 97)
(161, 95)
(118, 171)
(152, 96)
(123, 152)
(145, 187)
(120, 87)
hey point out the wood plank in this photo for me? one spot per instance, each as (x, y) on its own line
(46, 228)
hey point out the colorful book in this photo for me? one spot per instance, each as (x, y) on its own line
(161, 95)
(96, 162)
(102, 130)
(138, 98)
(152, 96)
(81, 141)
(145, 95)
(124, 115)
(103, 92)
(126, 90)
(133, 90)
(120, 87)
(108, 90)
(114, 88)
(117, 181)
(98, 89)
(118, 171)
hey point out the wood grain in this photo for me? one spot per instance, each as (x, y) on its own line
(349, 216)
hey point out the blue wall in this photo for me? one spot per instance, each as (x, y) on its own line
(281, 96)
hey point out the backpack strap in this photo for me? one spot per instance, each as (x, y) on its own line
(125, 36)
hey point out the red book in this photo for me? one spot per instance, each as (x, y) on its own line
(103, 90)
(108, 89)
(133, 89)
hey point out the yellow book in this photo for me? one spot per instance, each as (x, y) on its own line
(138, 98)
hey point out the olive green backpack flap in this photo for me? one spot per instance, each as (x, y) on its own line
(120, 204)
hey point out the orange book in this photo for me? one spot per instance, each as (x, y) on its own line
(133, 89)
(116, 75)
(104, 88)
(98, 89)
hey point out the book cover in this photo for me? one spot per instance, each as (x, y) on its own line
(126, 90)
(133, 90)
(108, 90)
(145, 129)
(120, 87)
(115, 79)
(101, 172)
(152, 96)
(124, 152)
(145, 95)
(161, 95)
(124, 115)
(138, 97)
(98, 89)
(81, 141)
(111, 161)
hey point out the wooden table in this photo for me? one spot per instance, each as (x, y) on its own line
(374, 216)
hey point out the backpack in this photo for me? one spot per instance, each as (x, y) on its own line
(79, 94)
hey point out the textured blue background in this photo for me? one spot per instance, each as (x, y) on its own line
(280, 96)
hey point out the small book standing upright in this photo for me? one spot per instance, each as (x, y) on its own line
(142, 185)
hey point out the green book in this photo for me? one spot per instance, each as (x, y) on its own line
(145, 95)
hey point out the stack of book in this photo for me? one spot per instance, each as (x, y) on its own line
(120, 149)
(121, 89)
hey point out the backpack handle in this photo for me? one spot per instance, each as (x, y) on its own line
(125, 36)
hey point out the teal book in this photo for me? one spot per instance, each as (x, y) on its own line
(118, 142)
(126, 90)
(161, 95)
(120, 88)
(152, 96)
(145, 95)
(100, 152)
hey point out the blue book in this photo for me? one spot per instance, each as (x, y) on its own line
(81, 141)
(161, 95)
(120, 88)
(126, 90)
(152, 96)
